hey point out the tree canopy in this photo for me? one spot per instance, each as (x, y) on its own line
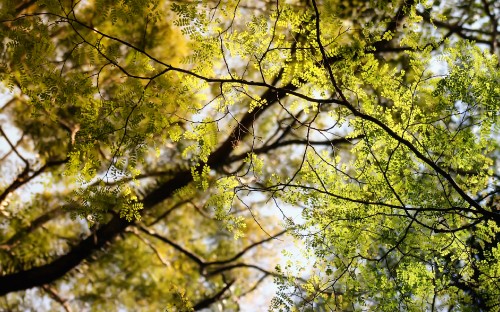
(155, 155)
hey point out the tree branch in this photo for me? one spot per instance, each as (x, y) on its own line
(186, 252)
(278, 144)
(54, 270)
(55, 295)
(246, 249)
(205, 303)
(134, 231)
(24, 177)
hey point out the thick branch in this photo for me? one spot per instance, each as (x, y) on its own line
(52, 271)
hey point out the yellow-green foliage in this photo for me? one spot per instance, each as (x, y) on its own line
(191, 119)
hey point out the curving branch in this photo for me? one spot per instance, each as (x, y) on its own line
(150, 245)
(248, 266)
(197, 259)
(24, 177)
(246, 249)
(399, 138)
(278, 144)
(56, 269)
(13, 147)
(48, 273)
(108, 232)
(176, 246)
(205, 303)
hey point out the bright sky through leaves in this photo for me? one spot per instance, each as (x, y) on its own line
(158, 154)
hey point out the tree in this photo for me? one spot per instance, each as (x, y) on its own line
(157, 142)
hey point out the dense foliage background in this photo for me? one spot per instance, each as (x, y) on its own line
(159, 155)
